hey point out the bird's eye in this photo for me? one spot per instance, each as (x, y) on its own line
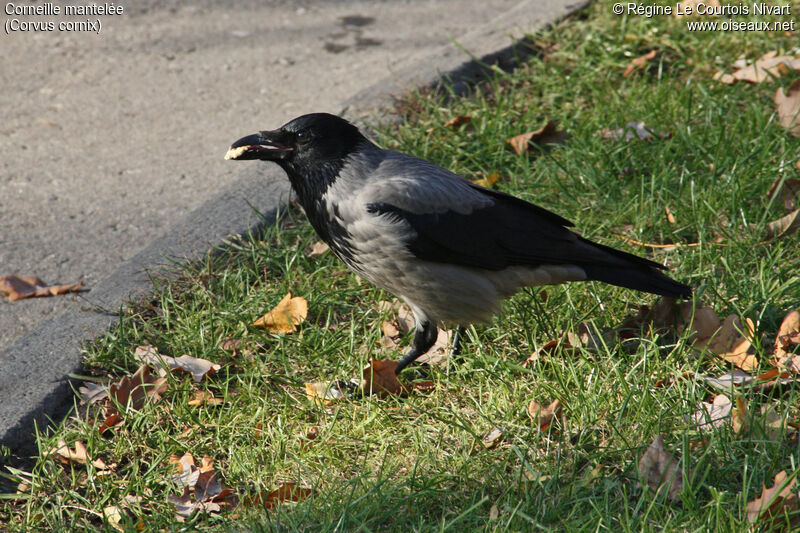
(302, 136)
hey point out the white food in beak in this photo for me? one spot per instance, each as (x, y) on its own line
(235, 153)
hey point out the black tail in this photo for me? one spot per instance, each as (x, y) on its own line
(635, 273)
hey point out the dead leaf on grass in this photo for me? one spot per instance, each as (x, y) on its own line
(202, 489)
(456, 121)
(767, 67)
(658, 469)
(713, 415)
(547, 134)
(739, 419)
(133, 391)
(544, 416)
(130, 392)
(379, 378)
(439, 353)
(788, 106)
(587, 336)
(21, 287)
(729, 380)
(203, 398)
(639, 63)
(92, 392)
(317, 249)
(774, 502)
(732, 342)
(493, 438)
(785, 225)
(286, 316)
(670, 216)
(197, 367)
(328, 392)
(787, 342)
(230, 344)
(287, 492)
(113, 514)
(78, 455)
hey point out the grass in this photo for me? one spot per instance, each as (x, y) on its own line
(417, 464)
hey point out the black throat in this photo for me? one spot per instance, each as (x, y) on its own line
(311, 184)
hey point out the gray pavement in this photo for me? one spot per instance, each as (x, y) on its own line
(113, 143)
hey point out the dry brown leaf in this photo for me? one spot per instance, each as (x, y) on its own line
(379, 377)
(739, 419)
(488, 181)
(287, 492)
(328, 392)
(110, 420)
(713, 415)
(493, 438)
(133, 391)
(195, 366)
(722, 77)
(732, 342)
(78, 455)
(787, 341)
(670, 215)
(439, 353)
(688, 8)
(729, 380)
(230, 344)
(186, 472)
(494, 512)
(770, 507)
(657, 469)
(456, 121)
(202, 489)
(390, 329)
(788, 106)
(768, 66)
(113, 514)
(785, 191)
(639, 63)
(20, 287)
(785, 225)
(318, 249)
(544, 416)
(203, 397)
(398, 326)
(92, 392)
(286, 316)
(547, 134)
(587, 336)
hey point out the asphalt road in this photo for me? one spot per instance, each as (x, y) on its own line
(108, 138)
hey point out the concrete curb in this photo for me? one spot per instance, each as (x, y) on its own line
(34, 382)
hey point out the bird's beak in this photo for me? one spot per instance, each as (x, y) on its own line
(265, 145)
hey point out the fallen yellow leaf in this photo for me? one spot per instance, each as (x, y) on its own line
(286, 316)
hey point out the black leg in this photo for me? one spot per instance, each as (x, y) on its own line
(424, 337)
(455, 348)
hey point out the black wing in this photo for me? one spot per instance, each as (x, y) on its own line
(513, 232)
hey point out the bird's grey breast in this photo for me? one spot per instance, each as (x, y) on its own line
(380, 243)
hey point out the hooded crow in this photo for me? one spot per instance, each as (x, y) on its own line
(448, 248)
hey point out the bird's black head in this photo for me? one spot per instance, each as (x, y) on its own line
(302, 145)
